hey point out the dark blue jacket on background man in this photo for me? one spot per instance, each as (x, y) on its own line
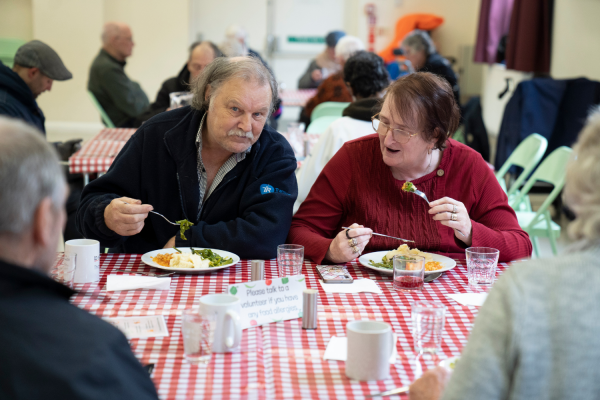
(249, 213)
(17, 100)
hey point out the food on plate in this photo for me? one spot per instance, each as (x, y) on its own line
(215, 259)
(163, 259)
(204, 258)
(409, 187)
(184, 225)
(387, 261)
(188, 260)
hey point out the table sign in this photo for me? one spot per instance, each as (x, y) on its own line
(270, 300)
(140, 327)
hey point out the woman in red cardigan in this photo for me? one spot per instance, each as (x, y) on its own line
(361, 187)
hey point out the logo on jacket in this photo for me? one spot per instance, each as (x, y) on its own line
(265, 188)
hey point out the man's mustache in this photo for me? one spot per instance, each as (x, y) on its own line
(240, 133)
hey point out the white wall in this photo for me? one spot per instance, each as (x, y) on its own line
(15, 19)
(576, 39)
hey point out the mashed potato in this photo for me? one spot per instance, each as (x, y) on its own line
(404, 250)
(188, 260)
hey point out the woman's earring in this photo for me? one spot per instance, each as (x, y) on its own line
(429, 151)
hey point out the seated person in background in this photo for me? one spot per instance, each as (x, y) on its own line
(36, 66)
(334, 87)
(237, 34)
(367, 79)
(323, 65)
(215, 164)
(50, 349)
(201, 54)
(400, 66)
(419, 49)
(531, 339)
(363, 183)
(120, 97)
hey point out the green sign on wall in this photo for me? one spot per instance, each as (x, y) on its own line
(306, 39)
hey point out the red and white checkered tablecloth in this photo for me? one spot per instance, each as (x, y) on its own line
(279, 360)
(297, 97)
(99, 153)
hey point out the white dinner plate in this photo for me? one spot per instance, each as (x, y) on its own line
(447, 263)
(147, 259)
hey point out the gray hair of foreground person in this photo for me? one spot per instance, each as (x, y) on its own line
(223, 69)
(582, 191)
(29, 172)
(419, 40)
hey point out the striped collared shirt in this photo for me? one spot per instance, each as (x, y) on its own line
(225, 168)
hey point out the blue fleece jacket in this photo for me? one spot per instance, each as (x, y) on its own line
(249, 213)
(17, 101)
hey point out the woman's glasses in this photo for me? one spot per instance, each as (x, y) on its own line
(399, 135)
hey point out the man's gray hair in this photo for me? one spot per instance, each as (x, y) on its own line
(223, 69)
(29, 172)
(419, 40)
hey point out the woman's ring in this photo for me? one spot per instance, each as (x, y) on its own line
(348, 236)
(354, 241)
(454, 210)
(454, 217)
(355, 249)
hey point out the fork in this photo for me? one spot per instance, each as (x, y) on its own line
(421, 194)
(154, 212)
(146, 273)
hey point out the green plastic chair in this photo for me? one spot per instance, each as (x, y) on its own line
(103, 114)
(320, 124)
(329, 108)
(539, 223)
(8, 49)
(527, 155)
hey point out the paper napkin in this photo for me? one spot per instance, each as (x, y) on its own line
(359, 285)
(337, 349)
(129, 282)
(469, 299)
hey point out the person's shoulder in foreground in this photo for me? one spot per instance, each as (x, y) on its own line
(51, 349)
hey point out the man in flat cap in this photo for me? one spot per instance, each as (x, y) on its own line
(36, 67)
(121, 98)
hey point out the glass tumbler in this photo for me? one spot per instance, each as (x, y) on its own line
(427, 326)
(64, 271)
(198, 335)
(290, 258)
(481, 266)
(409, 273)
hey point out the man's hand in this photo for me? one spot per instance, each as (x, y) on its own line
(430, 386)
(170, 244)
(316, 75)
(125, 216)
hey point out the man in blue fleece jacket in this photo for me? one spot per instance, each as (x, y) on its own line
(215, 164)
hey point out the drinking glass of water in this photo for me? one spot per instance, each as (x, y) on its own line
(427, 326)
(409, 273)
(290, 258)
(481, 266)
(198, 336)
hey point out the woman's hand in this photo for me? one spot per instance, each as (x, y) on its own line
(342, 249)
(454, 214)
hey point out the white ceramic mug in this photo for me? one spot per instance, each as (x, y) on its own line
(370, 346)
(227, 309)
(88, 259)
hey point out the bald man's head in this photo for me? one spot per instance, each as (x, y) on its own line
(200, 56)
(117, 40)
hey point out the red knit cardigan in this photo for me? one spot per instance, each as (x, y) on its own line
(357, 187)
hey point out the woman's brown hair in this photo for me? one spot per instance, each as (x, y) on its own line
(426, 104)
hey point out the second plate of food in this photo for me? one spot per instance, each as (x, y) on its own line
(161, 259)
(376, 257)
